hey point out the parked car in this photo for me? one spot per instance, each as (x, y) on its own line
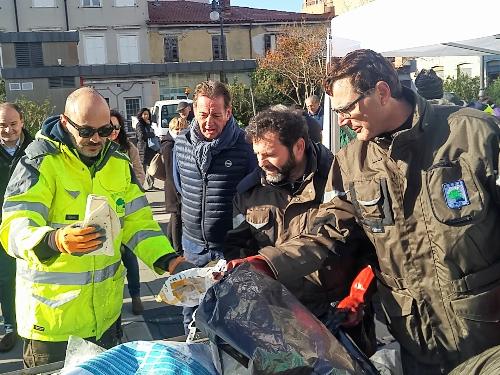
(162, 112)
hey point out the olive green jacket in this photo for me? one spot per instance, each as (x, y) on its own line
(428, 199)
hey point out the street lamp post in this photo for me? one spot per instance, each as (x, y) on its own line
(216, 15)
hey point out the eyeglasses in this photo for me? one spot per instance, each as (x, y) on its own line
(88, 131)
(345, 111)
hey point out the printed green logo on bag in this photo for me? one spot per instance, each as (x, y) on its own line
(120, 206)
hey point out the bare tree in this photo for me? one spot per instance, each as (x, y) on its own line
(299, 59)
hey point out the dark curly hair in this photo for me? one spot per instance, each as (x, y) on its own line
(364, 68)
(139, 114)
(288, 124)
(122, 138)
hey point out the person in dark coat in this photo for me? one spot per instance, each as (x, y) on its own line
(209, 161)
(172, 197)
(129, 259)
(145, 132)
(14, 139)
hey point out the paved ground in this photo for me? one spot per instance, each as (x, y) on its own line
(158, 320)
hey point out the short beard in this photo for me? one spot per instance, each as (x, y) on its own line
(80, 148)
(284, 172)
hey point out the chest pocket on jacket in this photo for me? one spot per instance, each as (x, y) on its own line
(454, 194)
(262, 218)
(371, 203)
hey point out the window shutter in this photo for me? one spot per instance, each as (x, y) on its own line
(43, 3)
(124, 3)
(28, 54)
(94, 50)
(128, 48)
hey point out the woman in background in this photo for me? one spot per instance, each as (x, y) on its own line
(144, 132)
(129, 259)
(172, 197)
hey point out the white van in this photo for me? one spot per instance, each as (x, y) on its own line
(162, 112)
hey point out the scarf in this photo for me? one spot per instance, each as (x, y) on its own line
(205, 150)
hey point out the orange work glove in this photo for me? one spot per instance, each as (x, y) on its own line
(257, 261)
(75, 239)
(179, 264)
(355, 301)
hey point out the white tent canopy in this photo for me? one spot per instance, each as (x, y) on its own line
(423, 28)
(420, 28)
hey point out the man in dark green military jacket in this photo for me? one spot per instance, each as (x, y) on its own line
(421, 181)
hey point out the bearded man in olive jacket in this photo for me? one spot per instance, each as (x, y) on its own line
(277, 203)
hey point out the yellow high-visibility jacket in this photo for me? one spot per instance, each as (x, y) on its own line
(65, 294)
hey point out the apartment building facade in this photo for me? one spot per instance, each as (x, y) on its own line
(32, 65)
(132, 51)
(111, 34)
(182, 32)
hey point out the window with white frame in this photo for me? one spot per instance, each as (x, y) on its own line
(95, 50)
(43, 3)
(27, 86)
(91, 3)
(14, 86)
(132, 106)
(124, 3)
(128, 49)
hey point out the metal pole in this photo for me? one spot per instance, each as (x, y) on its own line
(66, 14)
(481, 76)
(16, 15)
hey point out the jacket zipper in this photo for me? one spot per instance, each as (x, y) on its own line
(203, 209)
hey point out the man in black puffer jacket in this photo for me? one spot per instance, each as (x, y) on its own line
(210, 159)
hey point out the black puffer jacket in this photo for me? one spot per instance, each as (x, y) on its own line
(144, 132)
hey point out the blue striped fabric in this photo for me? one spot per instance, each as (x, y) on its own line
(148, 358)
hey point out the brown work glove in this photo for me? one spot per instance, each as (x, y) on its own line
(75, 239)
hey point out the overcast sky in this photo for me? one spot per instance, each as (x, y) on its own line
(288, 5)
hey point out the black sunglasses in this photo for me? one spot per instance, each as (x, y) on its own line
(88, 132)
(345, 111)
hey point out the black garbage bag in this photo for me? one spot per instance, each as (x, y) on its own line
(259, 318)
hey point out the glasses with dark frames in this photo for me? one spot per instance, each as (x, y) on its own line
(345, 111)
(88, 131)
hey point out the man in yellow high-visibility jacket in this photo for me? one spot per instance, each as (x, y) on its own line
(61, 288)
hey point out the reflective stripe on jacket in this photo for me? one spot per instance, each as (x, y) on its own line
(72, 295)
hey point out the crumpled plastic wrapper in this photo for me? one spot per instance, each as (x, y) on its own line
(187, 288)
(99, 212)
(78, 351)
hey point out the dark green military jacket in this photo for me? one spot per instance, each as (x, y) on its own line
(8, 162)
(428, 198)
